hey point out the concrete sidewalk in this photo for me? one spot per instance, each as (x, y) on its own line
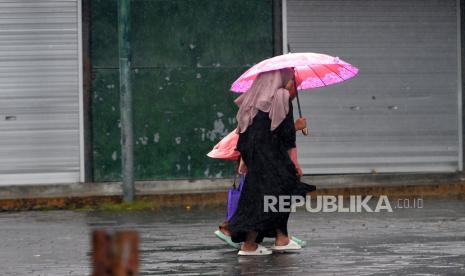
(176, 241)
(213, 191)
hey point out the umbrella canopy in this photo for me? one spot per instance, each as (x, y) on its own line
(312, 70)
(226, 148)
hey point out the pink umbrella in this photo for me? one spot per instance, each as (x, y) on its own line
(226, 148)
(311, 70)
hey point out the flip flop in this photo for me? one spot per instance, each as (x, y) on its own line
(227, 239)
(292, 246)
(299, 241)
(260, 251)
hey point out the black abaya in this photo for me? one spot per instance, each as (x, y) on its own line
(270, 171)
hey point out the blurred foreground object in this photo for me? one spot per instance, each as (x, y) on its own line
(115, 253)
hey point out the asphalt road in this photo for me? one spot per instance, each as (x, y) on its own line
(426, 241)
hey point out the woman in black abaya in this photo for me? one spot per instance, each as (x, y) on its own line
(267, 144)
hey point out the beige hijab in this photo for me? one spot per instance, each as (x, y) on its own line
(266, 94)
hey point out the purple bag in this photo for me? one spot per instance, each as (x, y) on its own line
(233, 197)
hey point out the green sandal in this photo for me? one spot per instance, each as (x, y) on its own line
(227, 239)
(299, 241)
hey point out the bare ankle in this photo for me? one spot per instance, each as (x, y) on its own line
(281, 240)
(224, 228)
(249, 246)
(226, 232)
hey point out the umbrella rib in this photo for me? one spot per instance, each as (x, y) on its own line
(314, 72)
(349, 70)
(333, 72)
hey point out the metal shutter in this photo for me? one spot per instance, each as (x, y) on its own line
(39, 91)
(401, 113)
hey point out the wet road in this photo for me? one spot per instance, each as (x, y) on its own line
(427, 241)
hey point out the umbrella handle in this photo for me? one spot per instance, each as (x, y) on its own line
(305, 130)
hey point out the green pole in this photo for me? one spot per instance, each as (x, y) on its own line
(127, 133)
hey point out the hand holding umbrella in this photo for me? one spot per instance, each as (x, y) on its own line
(300, 123)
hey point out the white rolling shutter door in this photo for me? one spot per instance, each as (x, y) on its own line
(39, 92)
(400, 114)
